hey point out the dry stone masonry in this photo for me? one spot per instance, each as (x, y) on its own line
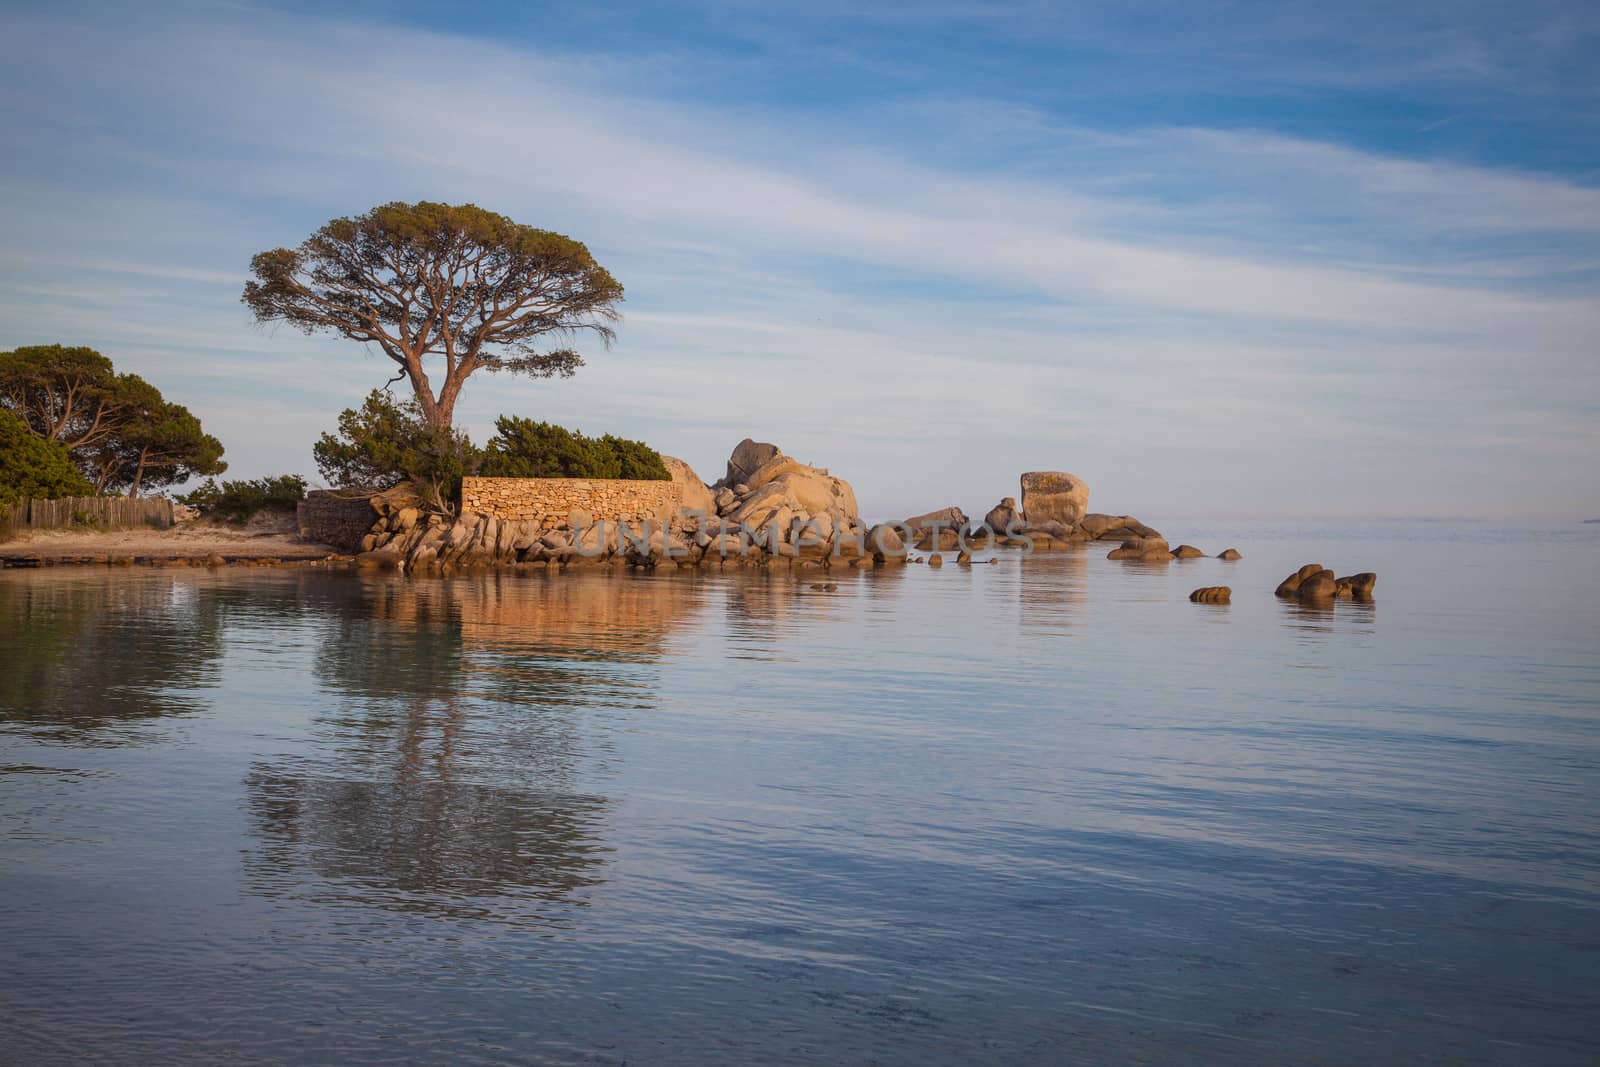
(590, 499)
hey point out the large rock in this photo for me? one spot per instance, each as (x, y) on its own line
(747, 456)
(1054, 495)
(766, 487)
(1356, 586)
(884, 542)
(693, 494)
(1318, 587)
(1003, 514)
(1056, 531)
(1152, 550)
(1114, 527)
(951, 518)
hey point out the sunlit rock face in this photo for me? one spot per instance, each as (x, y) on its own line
(1054, 496)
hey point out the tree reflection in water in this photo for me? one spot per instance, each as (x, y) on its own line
(89, 661)
(445, 778)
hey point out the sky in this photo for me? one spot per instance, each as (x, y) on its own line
(1277, 260)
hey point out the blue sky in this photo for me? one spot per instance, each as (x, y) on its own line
(1217, 259)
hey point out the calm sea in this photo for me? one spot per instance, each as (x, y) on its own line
(1029, 813)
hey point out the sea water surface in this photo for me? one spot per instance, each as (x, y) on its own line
(1041, 811)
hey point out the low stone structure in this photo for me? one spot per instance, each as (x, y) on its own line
(592, 499)
(334, 518)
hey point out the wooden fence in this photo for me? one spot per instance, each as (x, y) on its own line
(85, 513)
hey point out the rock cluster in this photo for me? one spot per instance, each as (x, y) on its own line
(1316, 582)
(763, 488)
(768, 506)
(1054, 512)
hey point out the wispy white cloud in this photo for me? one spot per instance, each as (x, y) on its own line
(1151, 307)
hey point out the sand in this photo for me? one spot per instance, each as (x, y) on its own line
(263, 538)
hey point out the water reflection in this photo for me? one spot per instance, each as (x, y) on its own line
(764, 609)
(1050, 589)
(420, 840)
(89, 661)
(1315, 619)
(444, 775)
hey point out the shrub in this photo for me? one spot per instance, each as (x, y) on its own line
(383, 443)
(523, 448)
(237, 501)
(30, 466)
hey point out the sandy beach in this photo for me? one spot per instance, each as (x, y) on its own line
(266, 537)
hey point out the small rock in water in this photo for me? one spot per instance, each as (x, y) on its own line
(1229, 554)
(936, 560)
(964, 558)
(1211, 594)
(1187, 552)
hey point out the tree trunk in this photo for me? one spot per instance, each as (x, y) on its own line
(445, 408)
(138, 476)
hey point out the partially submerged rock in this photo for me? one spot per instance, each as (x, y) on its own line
(1187, 552)
(1229, 554)
(1147, 550)
(952, 518)
(1211, 594)
(1115, 528)
(1356, 586)
(1316, 582)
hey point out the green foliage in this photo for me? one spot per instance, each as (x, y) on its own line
(523, 448)
(384, 443)
(159, 444)
(447, 286)
(237, 501)
(31, 466)
(120, 431)
(635, 459)
(64, 394)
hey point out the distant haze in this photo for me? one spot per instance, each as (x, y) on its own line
(1286, 260)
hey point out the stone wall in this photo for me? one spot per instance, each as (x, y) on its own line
(340, 521)
(609, 499)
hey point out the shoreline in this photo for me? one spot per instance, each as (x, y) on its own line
(187, 544)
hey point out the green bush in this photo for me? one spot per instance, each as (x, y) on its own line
(523, 448)
(30, 466)
(383, 443)
(237, 501)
